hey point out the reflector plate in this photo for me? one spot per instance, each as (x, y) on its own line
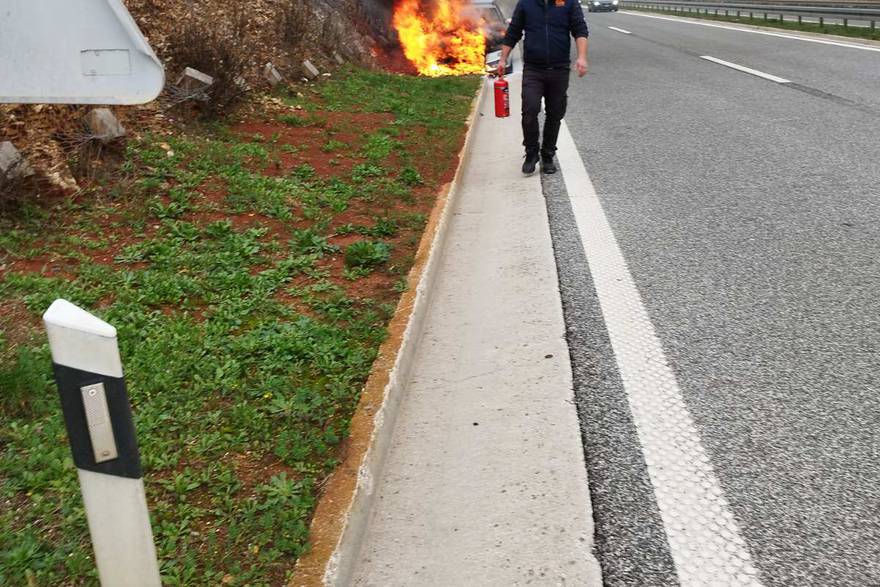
(75, 52)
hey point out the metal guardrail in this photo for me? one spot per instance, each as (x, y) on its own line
(843, 13)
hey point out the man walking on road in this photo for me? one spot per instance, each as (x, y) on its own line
(547, 25)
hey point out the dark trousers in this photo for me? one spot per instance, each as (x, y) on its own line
(552, 86)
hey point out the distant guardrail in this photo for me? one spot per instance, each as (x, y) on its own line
(843, 13)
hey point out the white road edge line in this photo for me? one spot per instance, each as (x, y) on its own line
(704, 538)
(744, 69)
(624, 31)
(768, 33)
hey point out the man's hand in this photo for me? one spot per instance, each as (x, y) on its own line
(502, 62)
(581, 65)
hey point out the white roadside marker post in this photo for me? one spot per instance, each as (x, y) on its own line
(97, 414)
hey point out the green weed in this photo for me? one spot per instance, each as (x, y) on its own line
(304, 120)
(367, 253)
(379, 146)
(364, 171)
(333, 145)
(410, 176)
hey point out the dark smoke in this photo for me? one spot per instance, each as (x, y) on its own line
(377, 14)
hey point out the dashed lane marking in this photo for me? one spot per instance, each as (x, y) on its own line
(704, 538)
(744, 69)
(624, 31)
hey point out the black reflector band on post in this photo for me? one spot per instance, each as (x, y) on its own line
(70, 383)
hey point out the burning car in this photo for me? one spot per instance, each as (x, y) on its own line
(449, 37)
(492, 60)
(494, 27)
(492, 23)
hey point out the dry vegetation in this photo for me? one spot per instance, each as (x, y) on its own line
(230, 40)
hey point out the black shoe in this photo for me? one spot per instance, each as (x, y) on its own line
(530, 163)
(548, 167)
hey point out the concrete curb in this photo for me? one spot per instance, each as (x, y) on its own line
(340, 520)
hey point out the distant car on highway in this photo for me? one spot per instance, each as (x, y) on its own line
(602, 5)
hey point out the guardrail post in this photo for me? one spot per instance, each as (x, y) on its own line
(873, 25)
(800, 19)
(821, 21)
(844, 22)
(97, 414)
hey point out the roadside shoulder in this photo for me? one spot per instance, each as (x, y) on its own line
(338, 524)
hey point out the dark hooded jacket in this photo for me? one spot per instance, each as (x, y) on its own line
(549, 26)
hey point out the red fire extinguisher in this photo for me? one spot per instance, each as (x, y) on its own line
(502, 98)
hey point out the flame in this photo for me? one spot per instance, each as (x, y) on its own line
(444, 42)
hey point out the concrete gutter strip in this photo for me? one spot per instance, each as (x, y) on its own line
(339, 523)
(485, 483)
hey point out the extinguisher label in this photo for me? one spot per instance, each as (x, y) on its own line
(502, 99)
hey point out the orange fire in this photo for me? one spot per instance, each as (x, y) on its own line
(441, 41)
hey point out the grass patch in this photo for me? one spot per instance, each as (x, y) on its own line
(365, 254)
(333, 145)
(308, 119)
(757, 19)
(412, 100)
(379, 146)
(245, 332)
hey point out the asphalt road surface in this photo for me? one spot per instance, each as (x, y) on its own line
(740, 177)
